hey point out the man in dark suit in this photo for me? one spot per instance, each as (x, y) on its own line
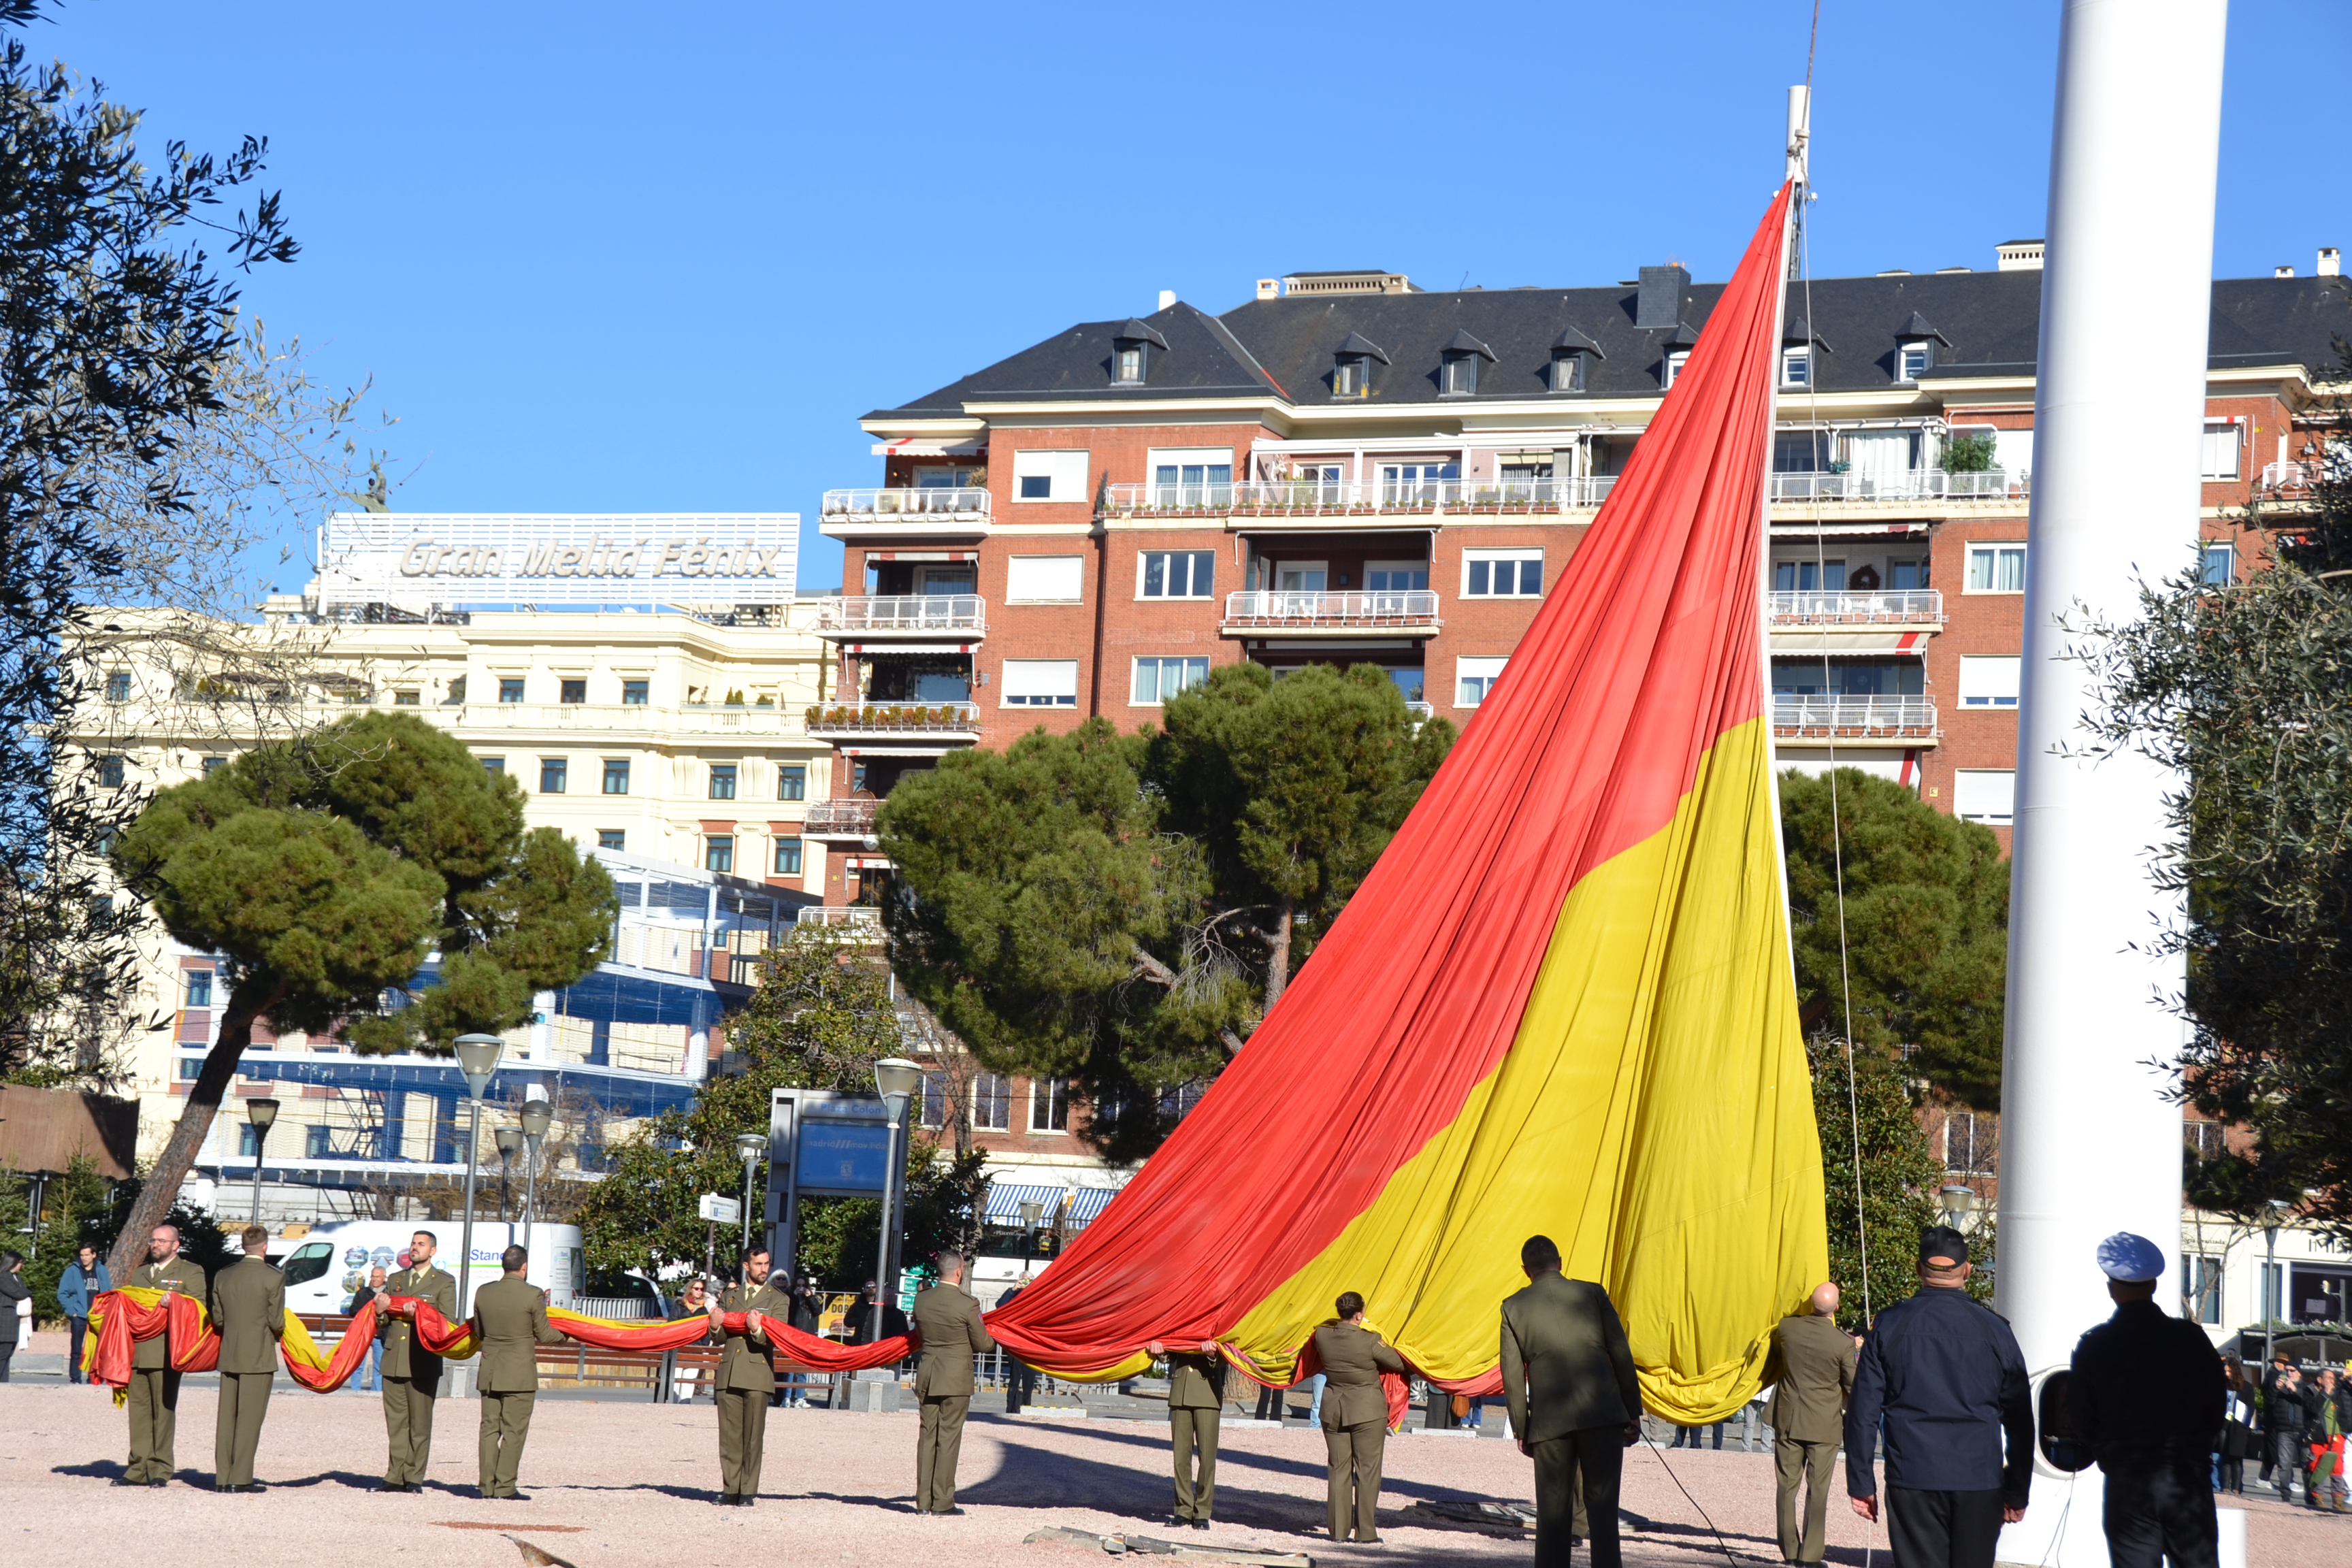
(509, 1323)
(154, 1394)
(946, 1322)
(412, 1375)
(1945, 1376)
(249, 1312)
(1810, 1369)
(1196, 1406)
(1568, 1374)
(745, 1379)
(1355, 1417)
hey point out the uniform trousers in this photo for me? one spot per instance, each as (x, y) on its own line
(154, 1414)
(236, 1429)
(1355, 1454)
(506, 1425)
(1943, 1530)
(939, 1440)
(1578, 1476)
(2158, 1508)
(742, 1440)
(408, 1427)
(1194, 1430)
(1812, 1464)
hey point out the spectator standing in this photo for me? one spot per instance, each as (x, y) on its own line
(2283, 1423)
(16, 1297)
(1942, 1376)
(84, 1280)
(1810, 1369)
(2327, 1415)
(1020, 1377)
(371, 1369)
(2237, 1438)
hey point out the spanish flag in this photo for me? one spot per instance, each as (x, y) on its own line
(1562, 1003)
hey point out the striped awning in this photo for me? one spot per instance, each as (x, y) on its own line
(1089, 1202)
(1006, 1198)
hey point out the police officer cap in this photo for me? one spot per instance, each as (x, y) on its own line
(2130, 1260)
(1942, 1244)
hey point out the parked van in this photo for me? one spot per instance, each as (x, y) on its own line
(324, 1264)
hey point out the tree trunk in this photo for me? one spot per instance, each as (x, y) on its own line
(160, 1187)
(1277, 965)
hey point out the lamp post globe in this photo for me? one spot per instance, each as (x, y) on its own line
(749, 1148)
(538, 1115)
(478, 1060)
(1956, 1202)
(260, 1113)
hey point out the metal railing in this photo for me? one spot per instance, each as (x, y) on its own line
(840, 817)
(965, 502)
(896, 718)
(918, 613)
(1843, 715)
(1317, 497)
(1902, 606)
(1407, 607)
(842, 918)
(2285, 476)
(1902, 484)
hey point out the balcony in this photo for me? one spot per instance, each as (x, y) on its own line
(942, 723)
(941, 510)
(1317, 498)
(616, 718)
(1904, 607)
(1411, 612)
(1809, 721)
(961, 617)
(1903, 485)
(851, 820)
(852, 922)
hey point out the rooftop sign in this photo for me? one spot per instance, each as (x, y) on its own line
(549, 558)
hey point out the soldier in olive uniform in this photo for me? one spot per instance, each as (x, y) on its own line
(1568, 1377)
(1355, 1417)
(154, 1395)
(746, 1380)
(510, 1321)
(412, 1375)
(250, 1311)
(946, 1322)
(1196, 1405)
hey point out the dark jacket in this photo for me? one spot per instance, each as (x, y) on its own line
(1945, 1378)
(2282, 1412)
(1566, 1365)
(75, 1289)
(14, 1294)
(2315, 1400)
(2146, 1383)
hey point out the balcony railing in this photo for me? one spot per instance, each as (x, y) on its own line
(847, 818)
(894, 717)
(1315, 498)
(1906, 607)
(856, 919)
(1902, 484)
(1857, 716)
(621, 717)
(903, 614)
(2285, 477)
(940, 503)
(1412, 607)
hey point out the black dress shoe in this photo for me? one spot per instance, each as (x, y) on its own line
(745, 1499)
(1200, 1524)
(1180, 1522)
(956, 1511)
(165, 1483)
(122, 1481)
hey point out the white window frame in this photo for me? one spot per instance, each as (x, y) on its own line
(1160, 661)
(1420, 567)
(1904, 373)
(1797, 360)
(1485, 668)
(1042, 1091)
(2206, 549)
(1037, 683)
(1995, 551)
(2213, 461)
(1142, 564)
(1991, 681)
(1280, 566)
(1062, 469)
(1045, 580)
(1489, 556)
(995, 1090)
(1982, 809)
(1673, 367)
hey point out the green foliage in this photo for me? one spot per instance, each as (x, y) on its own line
(1925, 937)
(1968, 454)
(74, 1212)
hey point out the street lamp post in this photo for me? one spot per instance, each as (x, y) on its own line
(478, 1058)
(2274, 1215)
(1031, 1211)
(509, 1145)
(897, 1078)
(537, 1114)
(261, 1114)
(749, 1146)
(1956, 1202)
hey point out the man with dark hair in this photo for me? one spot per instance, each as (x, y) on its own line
(154, 1394)
(1945, 1376)
(249, 1313)
(947, 1322)
(510, 1321)
(1355, 1417)
(412, 1375)
(84, 1279)
(1568, 1375)
(1196, 1407)
(745, 1378)
(2282, 1422)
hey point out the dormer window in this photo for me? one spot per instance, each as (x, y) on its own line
(1459, 375)
(1131, 363)
(1914, 348)
(1675, 353)
(1918, 357)
(1672, 367)
(1133, 347)
(1351, 366)
(1797, 367)
(1572, 354)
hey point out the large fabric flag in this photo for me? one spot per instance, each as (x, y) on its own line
(1560, 1004)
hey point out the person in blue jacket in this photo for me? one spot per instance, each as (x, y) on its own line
(1943, 1379)
(84, 1280)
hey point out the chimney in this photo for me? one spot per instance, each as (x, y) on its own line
(2282, 271)
(1269, 287)
(1167, 298)
(2331, 262)
(1660, 302)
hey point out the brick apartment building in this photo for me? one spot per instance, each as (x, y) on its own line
(1349, 468)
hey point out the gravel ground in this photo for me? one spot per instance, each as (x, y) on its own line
(617, 1484)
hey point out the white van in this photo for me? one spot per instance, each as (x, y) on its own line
(324, 1264)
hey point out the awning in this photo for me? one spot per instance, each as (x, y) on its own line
(1004, 1201)
(1842, 642)
(1089, 1202)
(873, 648)
(928, 448)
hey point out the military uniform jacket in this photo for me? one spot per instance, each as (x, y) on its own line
(1945, 1377)
(946, 1320)
(1353, 1359)
(748, 1362)
(250, 1311)
(403, 1357)
(152, 1355)
(1196, 1381)
(1810, 1369)
(2146, 1384)
(509, 1319)
(1566, 1365)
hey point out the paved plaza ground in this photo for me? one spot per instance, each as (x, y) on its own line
(620, 1483)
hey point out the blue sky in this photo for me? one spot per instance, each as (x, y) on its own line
(662, 258)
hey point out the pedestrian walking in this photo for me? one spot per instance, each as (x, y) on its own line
(745, 1379)
(250, 1313)
(948, 1319)
(412, 1375)
(2146, 1396)
(1568, 1376)
(2238, 1438)
(1810, 1369)
(1196, 1406)
(1355, 1418)
(84, 1280)
(509, 1323)
(1942, 1378)
(15, 1303)
(2284, 1452)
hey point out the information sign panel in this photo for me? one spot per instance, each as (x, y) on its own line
(468, 558)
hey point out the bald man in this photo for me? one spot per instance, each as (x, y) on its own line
(1810, 1369)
